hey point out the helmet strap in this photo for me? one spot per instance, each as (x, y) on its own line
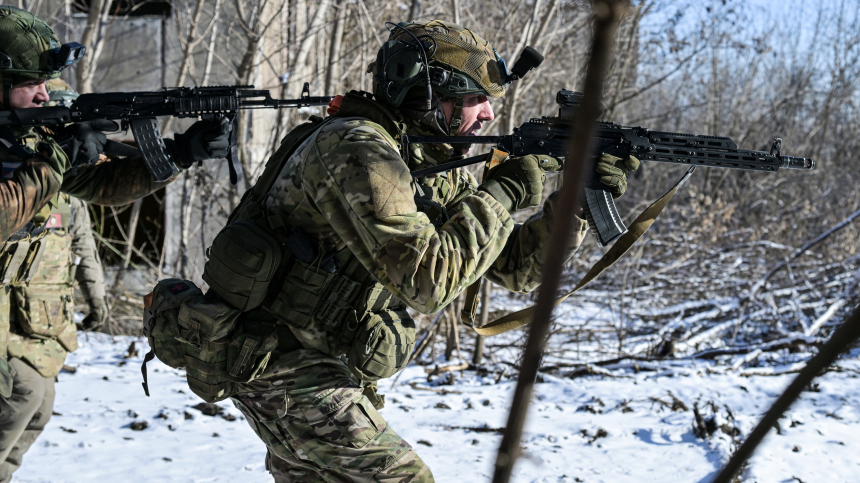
(456, 116)
(7, 92)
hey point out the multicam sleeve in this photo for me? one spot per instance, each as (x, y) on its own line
(90, 274)
(112, 182)
(358, 181)
(518, 267)
(26, 190)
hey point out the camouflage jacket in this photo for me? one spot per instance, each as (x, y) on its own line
(348, 186)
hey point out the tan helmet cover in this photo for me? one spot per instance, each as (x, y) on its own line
(60, 92)
(462, 50)
(24, 37)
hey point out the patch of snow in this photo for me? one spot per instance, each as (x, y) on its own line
(620, 426)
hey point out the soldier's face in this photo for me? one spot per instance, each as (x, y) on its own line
(476, 111)
(27, 94)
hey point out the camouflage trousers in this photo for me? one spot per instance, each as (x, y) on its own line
(23, 415)
(320, 428)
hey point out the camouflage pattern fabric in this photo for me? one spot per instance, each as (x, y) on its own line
(27, 186)
(90, 274)
(23, 415)
(348, 186)
(319, 427)
(46, 304)
(24, 38)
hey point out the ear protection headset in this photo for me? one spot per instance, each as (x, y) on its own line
(403, 64)
(399, 66)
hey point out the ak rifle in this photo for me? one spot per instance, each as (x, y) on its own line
(138, 111)
(551, 136)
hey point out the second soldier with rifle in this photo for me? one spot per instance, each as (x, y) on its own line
(35, 169)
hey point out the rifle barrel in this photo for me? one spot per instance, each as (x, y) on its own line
(277, 103)
(792, 162)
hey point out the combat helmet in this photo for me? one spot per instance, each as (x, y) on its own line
(444, 58)
(30, 50)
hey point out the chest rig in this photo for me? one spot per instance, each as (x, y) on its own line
(328, 301)
(42, 310)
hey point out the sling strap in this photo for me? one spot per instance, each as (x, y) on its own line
(622, 246)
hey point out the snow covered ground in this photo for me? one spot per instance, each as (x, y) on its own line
(624, 427)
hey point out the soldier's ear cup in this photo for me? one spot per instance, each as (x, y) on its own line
(403, 64)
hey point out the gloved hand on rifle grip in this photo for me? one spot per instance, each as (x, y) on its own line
(613, 171)
(206, 139)
(518, 182)
(84, 141)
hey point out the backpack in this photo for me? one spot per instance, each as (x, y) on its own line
(203, 335)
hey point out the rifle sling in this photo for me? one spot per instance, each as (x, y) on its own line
(622, 246)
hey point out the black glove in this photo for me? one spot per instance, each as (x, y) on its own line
(518, 182)
(97, 317)
(613, 171)
(83, 142)
(205, 139)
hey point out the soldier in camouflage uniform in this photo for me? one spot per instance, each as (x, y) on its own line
(366, 241)
(42, 323)
(34, 170)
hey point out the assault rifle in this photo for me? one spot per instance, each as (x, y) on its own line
(138, 111)
(551, 135)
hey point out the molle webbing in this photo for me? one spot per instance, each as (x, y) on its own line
(20, 259)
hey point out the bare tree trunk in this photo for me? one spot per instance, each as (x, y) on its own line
(414, 10)
(478, 355)
(210, 50)
(187, 51)
(132, 232)
(455, 8)
(189, 193)
(87, 65)
(299, 72)
(333, 63)
(453, 328)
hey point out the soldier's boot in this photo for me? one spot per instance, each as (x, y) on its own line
(23, 415)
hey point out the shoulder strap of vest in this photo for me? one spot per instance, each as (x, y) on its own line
(288, 145)
(358, 104)
(355, 104)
